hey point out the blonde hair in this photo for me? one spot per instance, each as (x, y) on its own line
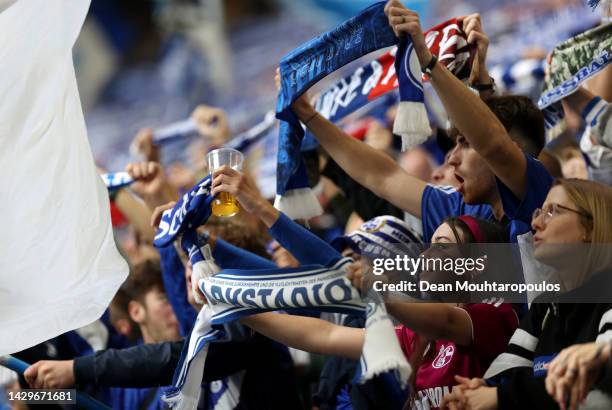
(595, 200)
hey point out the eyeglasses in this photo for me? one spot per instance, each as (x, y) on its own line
(553, 209)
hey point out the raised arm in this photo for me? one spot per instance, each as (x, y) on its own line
(466, 110)
(301, 243)
(137, 213)
(309, 334)
(371, 168)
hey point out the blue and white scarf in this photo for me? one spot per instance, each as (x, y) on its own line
(187, 128)
(233, 294)
(411, 121)
(572, 62)
(192, 210)
(349, 94)
(116, 180)
(301, 69)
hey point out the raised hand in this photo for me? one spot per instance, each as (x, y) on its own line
(472, 27)
(212, 123)
(143, 144)
(149, 178)
(405, 21)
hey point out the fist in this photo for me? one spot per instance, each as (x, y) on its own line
(211, 123)
(148, 176)
(50, 374)
(143, 145)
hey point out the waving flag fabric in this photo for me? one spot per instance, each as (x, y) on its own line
(59, 266)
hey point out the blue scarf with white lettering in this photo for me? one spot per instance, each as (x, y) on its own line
(236, 293)
(572, 62)
(301, 69)
(233, 294)
(356, 90)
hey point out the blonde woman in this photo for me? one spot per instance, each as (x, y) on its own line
(572, 234)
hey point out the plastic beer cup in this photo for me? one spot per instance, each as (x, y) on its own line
(225, 204)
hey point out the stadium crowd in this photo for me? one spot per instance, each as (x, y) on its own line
(492, 174)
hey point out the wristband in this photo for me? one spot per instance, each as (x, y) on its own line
(430, 66)
(485, 87)
(311, 118)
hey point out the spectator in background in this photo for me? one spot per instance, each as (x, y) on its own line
(494, 160)
(148, 306)
(119, 316)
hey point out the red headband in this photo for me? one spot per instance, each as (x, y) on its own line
(472, 225)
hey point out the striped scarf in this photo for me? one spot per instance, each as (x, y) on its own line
(233, 294)
(301, 69)
(236, 293)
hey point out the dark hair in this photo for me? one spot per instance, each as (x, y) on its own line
(144, 277)
(118, 310)
(522, 119)
(238, 232)
(493, 232)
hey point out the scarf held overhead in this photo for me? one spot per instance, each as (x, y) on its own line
(574, 61)
(301, 69)
(365, 84)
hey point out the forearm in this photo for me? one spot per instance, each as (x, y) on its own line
(434, 321)
(601, 84)
(229, 256)
(167, 193)
(485, 133)
(467, 111)
(369, 167)
(266, 212)
(305, 246)
(137, 213)
(140, 366)
(364, 202)
(308, 334)
(579, 100)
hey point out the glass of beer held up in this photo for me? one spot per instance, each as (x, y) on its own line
(225, 204)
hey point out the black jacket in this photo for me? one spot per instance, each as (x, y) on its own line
(269, 381)
(547, 329)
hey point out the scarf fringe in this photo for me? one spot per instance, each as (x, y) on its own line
(298, 203)
(412, 123)
(389, 364)
(181, 402)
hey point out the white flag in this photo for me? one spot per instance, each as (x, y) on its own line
(59, 266)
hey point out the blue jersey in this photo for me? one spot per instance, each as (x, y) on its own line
(439, 203)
